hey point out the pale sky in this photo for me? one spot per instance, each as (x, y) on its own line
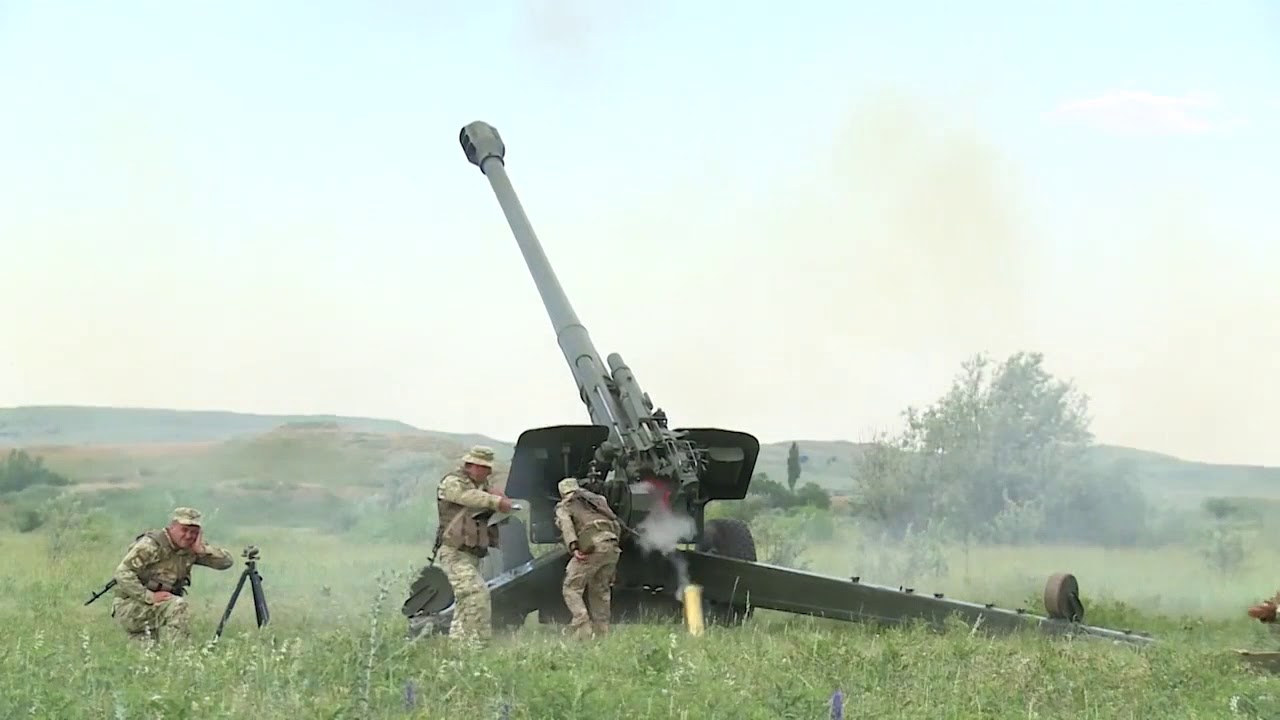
(792, 219)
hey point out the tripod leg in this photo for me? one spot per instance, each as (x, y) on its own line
(231, 604)
(259, 599)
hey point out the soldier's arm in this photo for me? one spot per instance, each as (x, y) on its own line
(143, 553)
(456, 490)
(216, 558)
(565, 522)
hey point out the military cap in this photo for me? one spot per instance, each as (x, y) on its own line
(479, 455)
(186, 516)
(567, 486)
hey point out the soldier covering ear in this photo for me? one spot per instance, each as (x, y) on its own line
(152, 578)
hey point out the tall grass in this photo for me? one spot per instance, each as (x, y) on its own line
(336, 647)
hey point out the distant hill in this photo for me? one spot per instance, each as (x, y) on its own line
(65, 424)
(76, 425)
(828, 463)
(1184, 481)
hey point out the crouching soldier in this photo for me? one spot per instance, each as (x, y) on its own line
(152, 578)
(590, 531)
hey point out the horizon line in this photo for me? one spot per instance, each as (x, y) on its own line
(411, 426)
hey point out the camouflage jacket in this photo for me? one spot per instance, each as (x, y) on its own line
(155, 563)
(462, 506)
(585, 519)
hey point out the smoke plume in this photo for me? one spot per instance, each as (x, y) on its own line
(660, 532)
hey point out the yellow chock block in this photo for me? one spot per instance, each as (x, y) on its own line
(693, 609)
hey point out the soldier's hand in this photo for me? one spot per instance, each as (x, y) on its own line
(579, 554)
(160, 596)
(504, 505)
(197, 546)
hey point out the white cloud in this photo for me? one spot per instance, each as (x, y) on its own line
(1131, 112)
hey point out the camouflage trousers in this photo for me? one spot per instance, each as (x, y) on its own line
(594, 575)
(143, 621)
(472, 613)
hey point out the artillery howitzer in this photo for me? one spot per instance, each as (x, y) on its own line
(655, 477)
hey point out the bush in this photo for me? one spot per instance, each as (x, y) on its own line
(20, 471)
(778, 496)
(71, 526)
(782, 536)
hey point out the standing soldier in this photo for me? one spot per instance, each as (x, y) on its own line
(590, 530)
(463, 537)
(152, 578)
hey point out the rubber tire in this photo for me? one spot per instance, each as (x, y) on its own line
(728, 537)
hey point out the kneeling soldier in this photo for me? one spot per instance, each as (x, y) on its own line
(152, 578)
(591, 531)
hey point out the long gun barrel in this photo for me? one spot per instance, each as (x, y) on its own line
(689, 467)
(638, 435)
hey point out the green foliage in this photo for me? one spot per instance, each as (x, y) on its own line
(766, 495)
(775, 495)
(336, 648)
(783, 536)
(1002, 458)
(1223, 549)
(917, 554)
(19, 471)
(1222, 540)
(70, 526)
(411, 521)
(793, 466)
(25, 510)
(811, 495)
(746, 509)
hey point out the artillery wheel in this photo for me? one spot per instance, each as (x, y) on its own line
(728, 537)
(1062, 598)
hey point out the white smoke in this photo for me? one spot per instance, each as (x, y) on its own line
(660, 532)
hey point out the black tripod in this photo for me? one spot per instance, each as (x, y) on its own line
(250, 556)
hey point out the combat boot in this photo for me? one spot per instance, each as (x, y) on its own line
(578, 629)
(600, 628)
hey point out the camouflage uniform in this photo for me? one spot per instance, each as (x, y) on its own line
(153, 563)
(463, 537)
(587, 525)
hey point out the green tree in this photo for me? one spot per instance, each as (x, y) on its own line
(1222, 543)
(793, 466)
(776, 496)
(1001, 457)
(20, 471)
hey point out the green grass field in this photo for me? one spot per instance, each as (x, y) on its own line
(336, 646)
(342, 516)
